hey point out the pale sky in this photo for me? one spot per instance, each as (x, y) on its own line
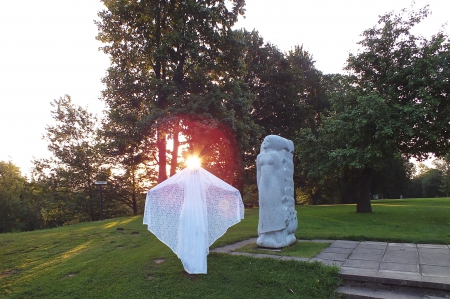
(48, 49)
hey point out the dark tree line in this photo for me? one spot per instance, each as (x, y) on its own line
(182, 81)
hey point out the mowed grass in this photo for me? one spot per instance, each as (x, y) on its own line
(406, 220)
(95, 260)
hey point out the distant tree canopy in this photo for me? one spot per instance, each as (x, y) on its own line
(20, 200)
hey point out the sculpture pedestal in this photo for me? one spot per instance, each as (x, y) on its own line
(276, 239)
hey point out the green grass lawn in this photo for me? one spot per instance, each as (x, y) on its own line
(406, 220)
(95, 260)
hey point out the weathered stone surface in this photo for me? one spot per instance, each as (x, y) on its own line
(275, 171)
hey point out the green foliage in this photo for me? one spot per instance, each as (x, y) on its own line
(13, 209)
(66, 180)
(427, 184)
(250, 195)
(288, 92)
(393, 180)
(168, 60)
(410, 74)
(443, 165)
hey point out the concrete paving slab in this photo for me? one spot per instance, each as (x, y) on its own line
(433, 279)
(361, 264)
(411, 245)
(435, 271)
(436, 259)
(400, 275)
(332, 256)
(358, 272)
(340, 250)
(372, 245)
(401, 258)
(433, 251)
(413, 268)
(432, 246)
(399, 250)
(368, 250)
(366, 256)
(345, 244)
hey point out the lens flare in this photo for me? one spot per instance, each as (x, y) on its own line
(193, 162)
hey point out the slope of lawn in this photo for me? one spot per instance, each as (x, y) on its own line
(119, 258)
(96, 260)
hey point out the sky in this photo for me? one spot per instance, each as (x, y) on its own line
(48, 49)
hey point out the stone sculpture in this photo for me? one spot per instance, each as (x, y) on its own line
(277, 214)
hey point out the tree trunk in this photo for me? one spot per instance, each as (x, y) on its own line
(176, 145)
(133, 195)
(363, 204)
(162, 160)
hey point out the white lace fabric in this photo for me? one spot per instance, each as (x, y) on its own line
(189, 211)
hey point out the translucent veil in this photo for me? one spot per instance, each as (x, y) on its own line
(189, 211)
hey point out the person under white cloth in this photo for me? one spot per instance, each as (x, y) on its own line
(189, 211)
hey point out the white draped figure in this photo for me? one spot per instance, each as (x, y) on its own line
(189, 211)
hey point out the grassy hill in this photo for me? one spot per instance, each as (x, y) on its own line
(100, 260)
(120, 258)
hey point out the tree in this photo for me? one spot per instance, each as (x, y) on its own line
(12, 187)
(170, 59)
(393, 180)
(395, 102)
(75, 164)
(411, 75)
(287, 89)
(443, 165)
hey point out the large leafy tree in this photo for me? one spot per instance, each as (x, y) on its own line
(396, 101)
(170, 59)
(287, 88)
(75, 164)
(411, 74)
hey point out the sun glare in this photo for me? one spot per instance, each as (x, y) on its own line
(193, 162)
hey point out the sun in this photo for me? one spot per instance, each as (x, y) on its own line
(193, 162)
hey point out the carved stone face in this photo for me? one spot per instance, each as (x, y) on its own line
(274, 142)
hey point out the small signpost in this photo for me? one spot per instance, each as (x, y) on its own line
(100, 184)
